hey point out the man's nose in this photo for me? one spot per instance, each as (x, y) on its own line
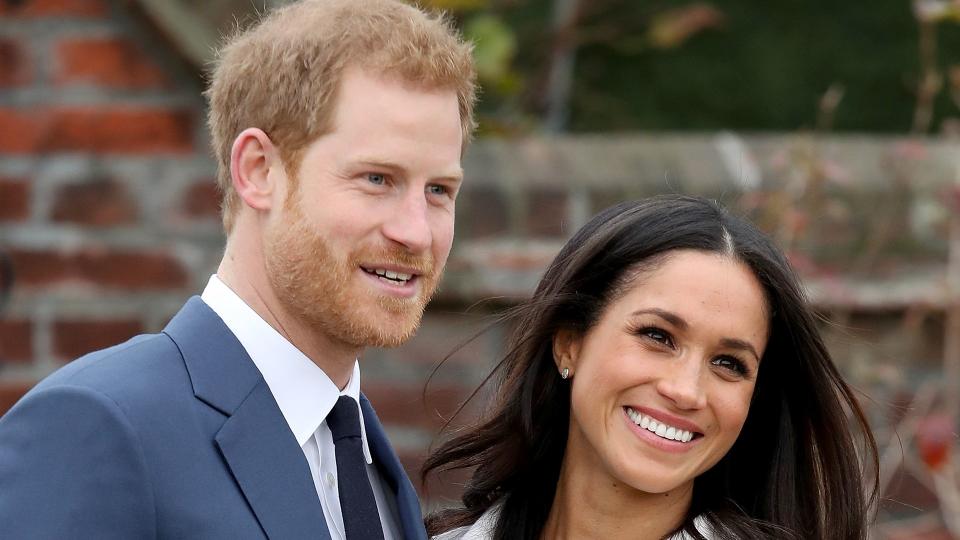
(408, 222)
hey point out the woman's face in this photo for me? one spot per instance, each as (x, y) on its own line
(662, 383)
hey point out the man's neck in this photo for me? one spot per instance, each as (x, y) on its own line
(334, 357)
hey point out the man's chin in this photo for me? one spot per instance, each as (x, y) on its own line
(396, 332)
(377, 326)
(379, 336)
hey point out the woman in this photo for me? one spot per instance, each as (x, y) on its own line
(666, 379)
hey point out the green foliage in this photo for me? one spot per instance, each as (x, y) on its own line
(723, 64)
(495, 46)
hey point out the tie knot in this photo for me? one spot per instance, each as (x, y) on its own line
(344, 419)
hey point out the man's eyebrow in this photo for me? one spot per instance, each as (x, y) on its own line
(454, 175)
(378, 164)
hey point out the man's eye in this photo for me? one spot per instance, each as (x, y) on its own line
(437, 189)
(376, 178)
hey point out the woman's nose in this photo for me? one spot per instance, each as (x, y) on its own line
(682, 384)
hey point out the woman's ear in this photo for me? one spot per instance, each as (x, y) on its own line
(566, 350)
(252, 156)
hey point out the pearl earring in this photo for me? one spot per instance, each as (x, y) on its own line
(565, 373)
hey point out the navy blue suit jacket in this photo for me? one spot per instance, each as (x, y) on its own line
(173, 435)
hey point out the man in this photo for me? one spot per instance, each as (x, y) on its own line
(338, 127)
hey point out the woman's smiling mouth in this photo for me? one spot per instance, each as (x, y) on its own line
(661, 429)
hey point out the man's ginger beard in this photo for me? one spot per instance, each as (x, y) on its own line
(321, 287)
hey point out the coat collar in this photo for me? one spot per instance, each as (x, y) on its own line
(408, 504)
(255, 441)
(260, 451)
(220, 371)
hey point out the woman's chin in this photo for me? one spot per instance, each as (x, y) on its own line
(650, 483)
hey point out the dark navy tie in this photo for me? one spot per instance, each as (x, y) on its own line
(361, 521)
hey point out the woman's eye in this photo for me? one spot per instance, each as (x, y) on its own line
(376, 178)
(730, 363)
(657, 335)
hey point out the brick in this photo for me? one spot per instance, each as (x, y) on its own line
(405, 405)
(483, 212)
(16, 69)
(126, 270)
(98, 203)
(906, 489)
(108, 130)
(123, 131)
(10, 393)
(16, 341)
(14, 199)
(75, 338)
(440, 334)
(53, 8)
(22, 131)
(109, 62)
(202, 200)
(546, 212)
(519, 260)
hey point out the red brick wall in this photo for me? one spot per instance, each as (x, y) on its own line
(107, 209)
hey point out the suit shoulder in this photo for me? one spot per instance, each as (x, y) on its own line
(145, 365)
(72, 451)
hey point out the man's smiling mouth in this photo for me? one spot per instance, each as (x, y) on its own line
(396, 278)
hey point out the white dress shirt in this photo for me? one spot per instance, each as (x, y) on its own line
(305, 395)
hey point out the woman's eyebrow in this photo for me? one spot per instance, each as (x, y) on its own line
(668, 316)
(681, 323)
(739, 344)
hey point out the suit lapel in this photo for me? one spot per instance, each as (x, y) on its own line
(408, 504)
(256, 443)
(270, 468)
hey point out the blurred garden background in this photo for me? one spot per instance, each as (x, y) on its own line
(834, 125)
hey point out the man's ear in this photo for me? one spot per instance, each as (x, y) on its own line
(566, 349)
(251, 158)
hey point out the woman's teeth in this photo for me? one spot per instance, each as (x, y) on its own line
(659, 428)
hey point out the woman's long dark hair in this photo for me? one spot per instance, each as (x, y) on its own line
(794, 472)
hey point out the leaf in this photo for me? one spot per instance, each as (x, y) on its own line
(672, 28)
(494, 46)
(936, 10)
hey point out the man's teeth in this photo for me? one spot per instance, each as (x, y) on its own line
(659, 428)
(391, 275)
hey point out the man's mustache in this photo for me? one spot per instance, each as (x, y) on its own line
(422, 265)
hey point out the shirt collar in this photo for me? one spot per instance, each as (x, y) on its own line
(304, 393)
